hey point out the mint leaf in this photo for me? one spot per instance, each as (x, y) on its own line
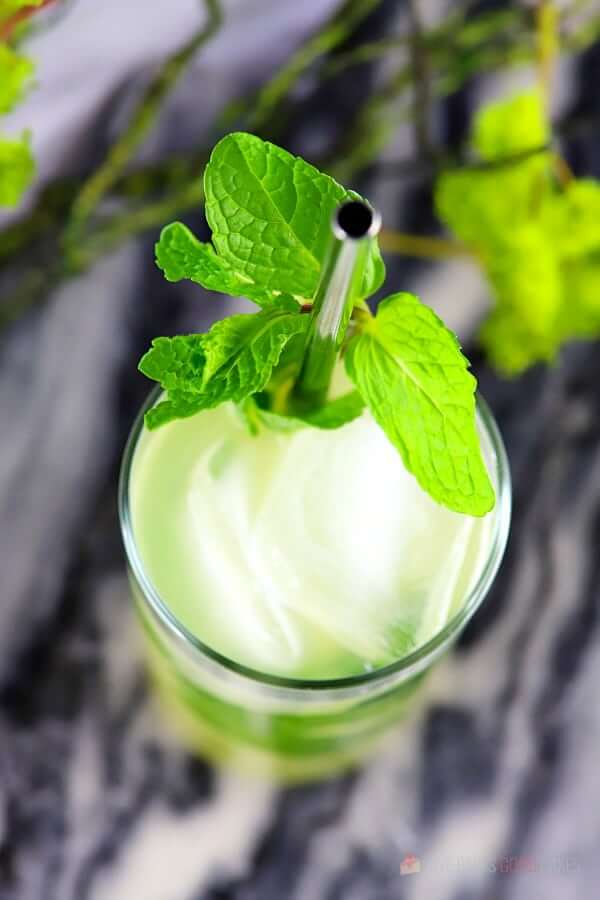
(571, 219)
(242, 351)
(276, 421)
(336, 412)
(481, 205)
(234, 360)
(180, 405)
(511, 126)
(410, 371)
(525, 277)
(579, 315)
(333, 414)
(7, 7)
(181, 255)
(15, 76)
(17, 168)
(270, 214)
(177, 363)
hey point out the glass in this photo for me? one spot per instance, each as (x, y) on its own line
(288, 728)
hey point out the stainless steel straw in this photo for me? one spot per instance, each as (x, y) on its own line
(353, 227)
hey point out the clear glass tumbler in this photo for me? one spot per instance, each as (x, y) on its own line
(286, 728)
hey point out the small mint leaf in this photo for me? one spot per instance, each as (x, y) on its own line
(580, 312)
(233, 361)
(511, 125)
(15, 76)
(181, 255)
(177, 363)
(336, 412)
(180, 405)
(571, 219)
(270, 214)
(483, 205)
(17, 168)
(242, 351)
(410, 371)
(10, 6)
(332, 415)
(525, 276)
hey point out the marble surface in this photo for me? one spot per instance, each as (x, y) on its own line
(494, 780)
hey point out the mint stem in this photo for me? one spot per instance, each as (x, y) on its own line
(354, 226)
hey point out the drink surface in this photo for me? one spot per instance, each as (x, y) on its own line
(310, 554)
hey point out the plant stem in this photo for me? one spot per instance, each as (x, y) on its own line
(144, 117)
(547, 45)
(341, 25)
(19, 18)
(120, 227)
(419, 246)
(421, 81)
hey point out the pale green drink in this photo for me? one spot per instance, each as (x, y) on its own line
(309, 557)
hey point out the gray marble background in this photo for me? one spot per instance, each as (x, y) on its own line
(96, 800)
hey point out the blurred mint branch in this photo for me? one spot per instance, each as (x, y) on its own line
(459, 48)
(547, 45)
(421, 80)
(143, 119)
(477, 48)
(344, 22)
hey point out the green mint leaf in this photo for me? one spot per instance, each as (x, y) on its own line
(571, 219)
(276, 421)
(525, 276)
(579, 316)
(270, 215)
(176, 363)
(242, 351)
(410, 371)
(15, 75)
(511, 126)
(181, 255)
(332, 415)
(233, 361)
(17, 168)
(483, 205)
(7, 7)
(180, 405)
(469, 203)
(336, 412)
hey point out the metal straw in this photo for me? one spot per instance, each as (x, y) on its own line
(353, 227)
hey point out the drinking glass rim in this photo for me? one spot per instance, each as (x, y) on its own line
(477, 594)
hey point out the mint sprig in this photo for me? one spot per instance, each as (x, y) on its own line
(270, 215)
(535, 235)
(233, 361)
(410, 371)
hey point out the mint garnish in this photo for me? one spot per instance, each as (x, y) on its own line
(410, 370)
(270, 215)
(332, 414)
(233, 361)
(181, 255)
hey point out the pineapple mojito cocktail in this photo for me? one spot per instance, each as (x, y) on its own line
(309, 511)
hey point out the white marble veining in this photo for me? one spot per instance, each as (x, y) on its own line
(97, 799)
